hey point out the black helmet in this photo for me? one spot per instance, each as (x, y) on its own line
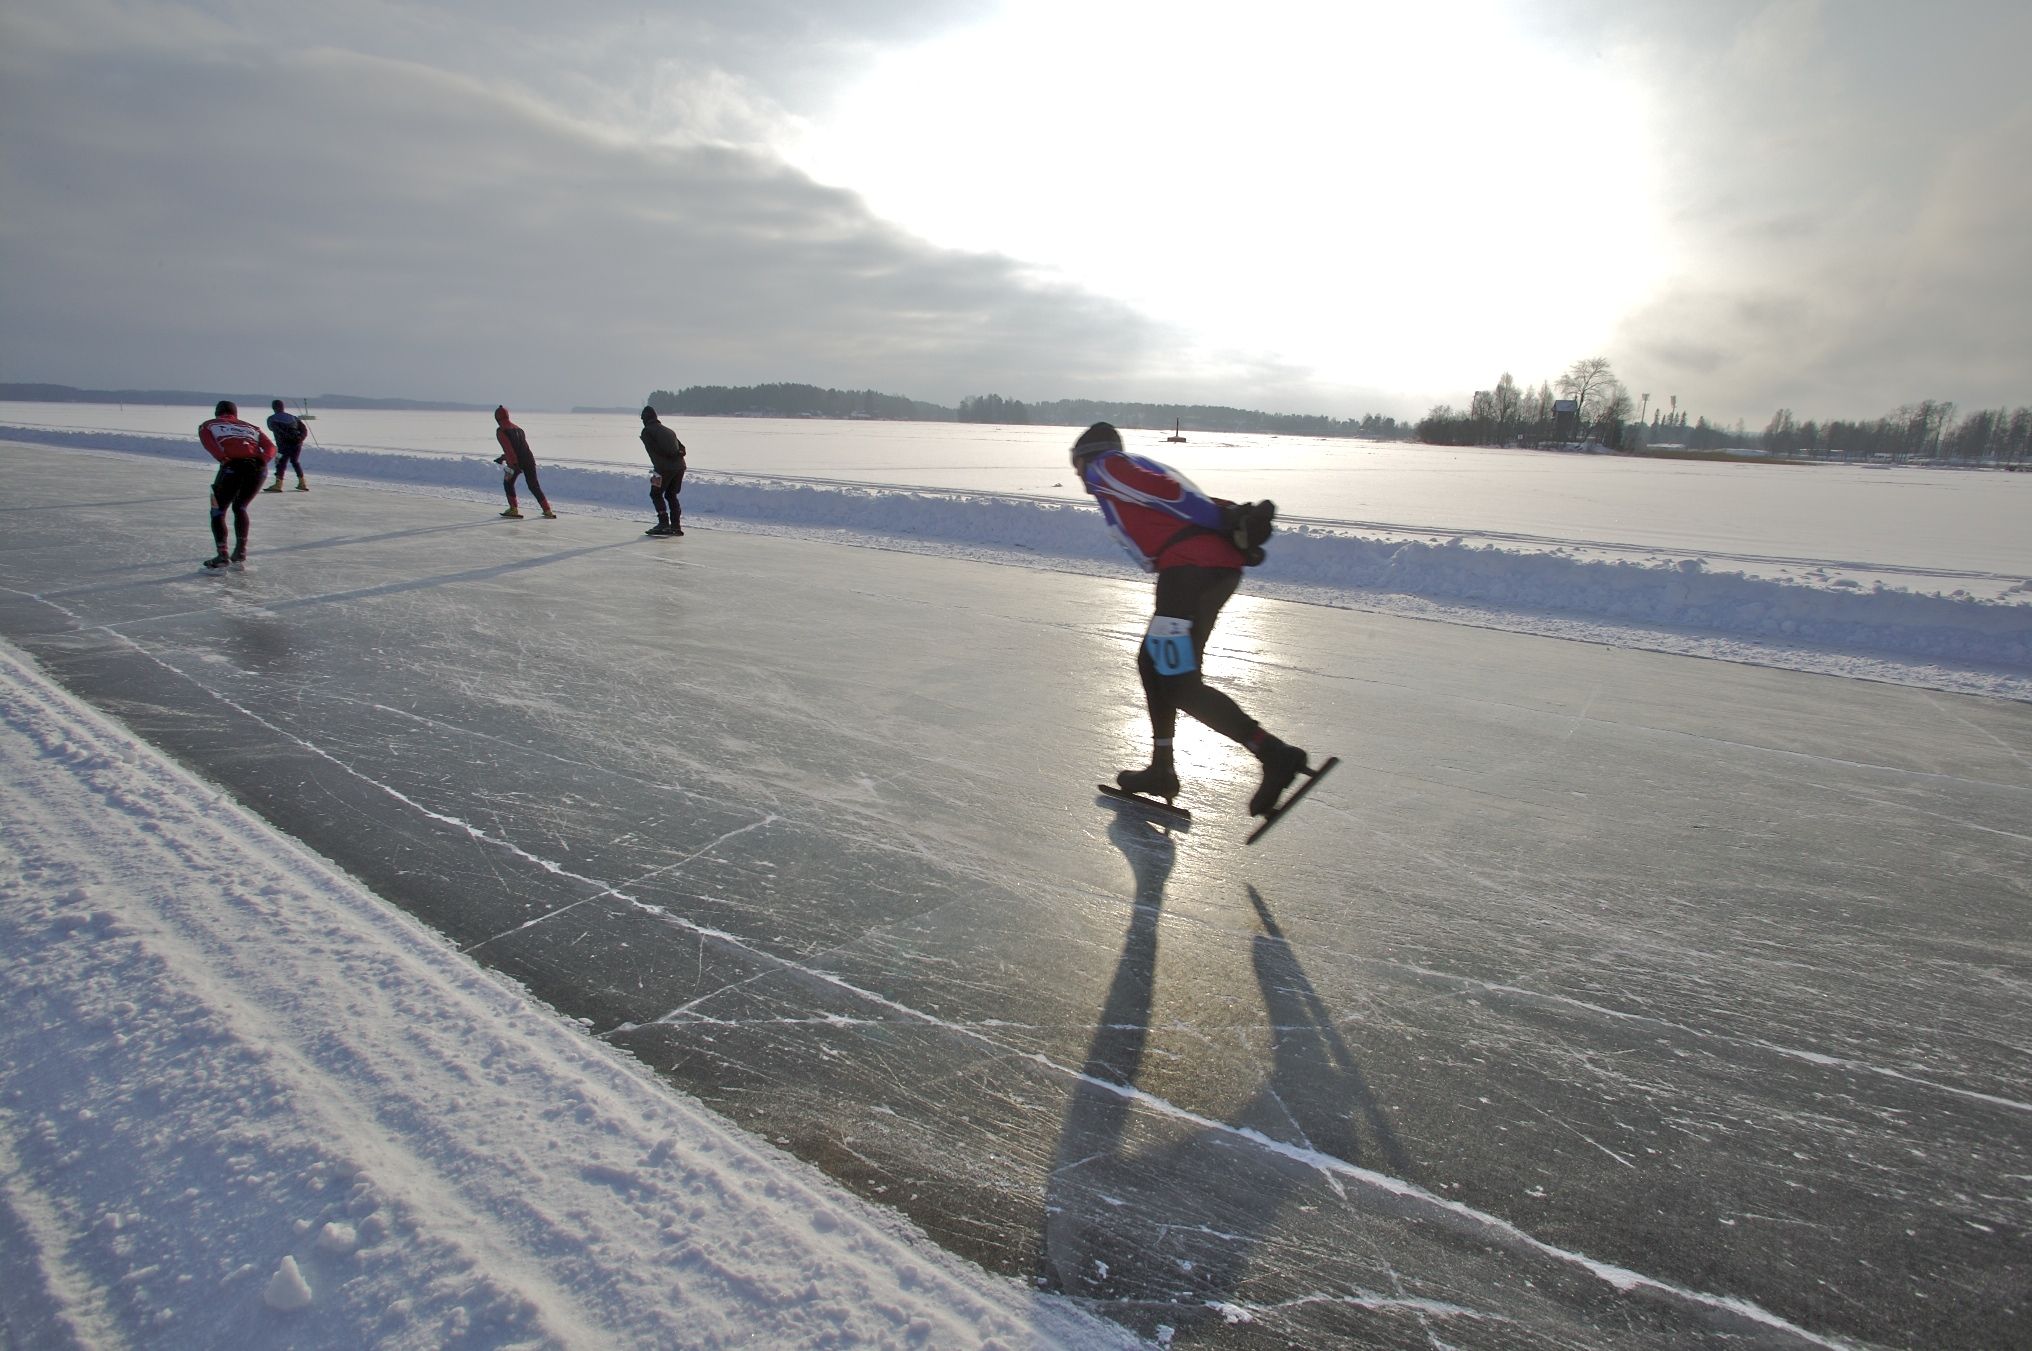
(1098, 439)
(649, 412)
(226, 408)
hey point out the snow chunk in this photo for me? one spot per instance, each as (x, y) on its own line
(287, 1290)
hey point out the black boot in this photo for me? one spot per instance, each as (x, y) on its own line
(1154, 780)
(1281, 764)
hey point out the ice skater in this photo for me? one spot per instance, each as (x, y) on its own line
(666, 473)
(515, 459)
(289, 438)
(243, 451)
(1197, 545)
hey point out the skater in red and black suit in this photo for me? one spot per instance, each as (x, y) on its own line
(515, 459)
(1173, 529)
(243, 451)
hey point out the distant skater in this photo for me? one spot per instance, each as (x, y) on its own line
(1189, 540)
(666, 473)
(289, 438)
(243, 451)
(516, 459)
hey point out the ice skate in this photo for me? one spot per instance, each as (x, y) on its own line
(1280, 767)
(302, 487)
(1281, 764)
(218, 562)
(1152, 789)
(1150, 781)
(512, 514)
(274, 487)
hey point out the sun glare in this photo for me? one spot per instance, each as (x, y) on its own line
(1396, 196)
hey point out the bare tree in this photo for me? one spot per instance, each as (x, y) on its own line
(1586, 382)
(1509, 404)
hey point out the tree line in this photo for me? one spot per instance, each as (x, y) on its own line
(794, 400)
(1165, 416)
(1591, 405)
(1926, 431)
(799, 400)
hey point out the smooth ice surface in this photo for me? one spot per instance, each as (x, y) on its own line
(1602, 998)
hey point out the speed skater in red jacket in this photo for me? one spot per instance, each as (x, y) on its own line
(243, 451)
(515, 459)
(1173, 529)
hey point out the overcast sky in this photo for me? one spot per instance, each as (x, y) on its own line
(1330, 206)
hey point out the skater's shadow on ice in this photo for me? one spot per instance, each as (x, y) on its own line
(1154, 1212)
(481, 574)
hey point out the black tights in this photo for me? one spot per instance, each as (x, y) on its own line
(233, 487)
(1197, 595)
(535, 489)
(663, 491)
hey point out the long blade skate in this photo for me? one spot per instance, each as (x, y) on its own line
(1276, 813)
(1157, 807)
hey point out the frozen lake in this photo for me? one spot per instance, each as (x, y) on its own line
(1602, 998)
(1768, 518)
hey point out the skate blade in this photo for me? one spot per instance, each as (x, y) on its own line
(1157, 807)
(1312, 777)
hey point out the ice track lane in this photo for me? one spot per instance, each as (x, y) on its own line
(1602, 999)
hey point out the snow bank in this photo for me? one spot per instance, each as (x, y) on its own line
(245, 1103)
(1760, 619)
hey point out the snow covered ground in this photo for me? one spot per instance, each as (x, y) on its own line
(1937, 626)
(245, 1103)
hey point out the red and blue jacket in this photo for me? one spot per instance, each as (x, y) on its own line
(1161, 519)
(228, 439)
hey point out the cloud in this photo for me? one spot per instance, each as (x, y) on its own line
(194, 208)
(1848, 200)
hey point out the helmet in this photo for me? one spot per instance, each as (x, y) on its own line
(226, 408)
(1098, 439)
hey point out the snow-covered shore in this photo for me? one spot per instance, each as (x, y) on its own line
(247, 1103)
(1663, 600)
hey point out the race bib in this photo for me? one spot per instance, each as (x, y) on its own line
(655, 483)
(507, 472)
(1169, 643)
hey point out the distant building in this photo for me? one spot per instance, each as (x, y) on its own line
(1566, 420)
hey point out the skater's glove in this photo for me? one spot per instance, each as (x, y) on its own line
(500, 459)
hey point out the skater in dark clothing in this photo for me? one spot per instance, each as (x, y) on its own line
(289, 438)
(666, 473)
(243, 451)
(1173, 529)
(515, 459)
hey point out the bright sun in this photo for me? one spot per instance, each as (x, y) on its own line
(1410, 197)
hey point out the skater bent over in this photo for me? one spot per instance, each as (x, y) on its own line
(289, 437)
(1173, 529)
(243, 451)
(515, 459)
(666, 473)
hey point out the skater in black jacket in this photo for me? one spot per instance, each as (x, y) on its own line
(666, 473)
(290, 434)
